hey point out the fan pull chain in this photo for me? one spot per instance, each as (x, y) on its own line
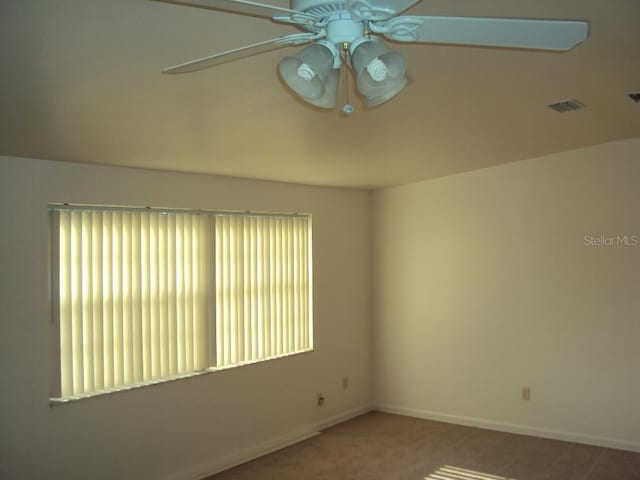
(347, 109)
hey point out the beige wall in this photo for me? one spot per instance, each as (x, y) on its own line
(180, 429)
(483, 285)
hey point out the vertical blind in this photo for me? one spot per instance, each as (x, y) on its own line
(144, 295)
(262, 287)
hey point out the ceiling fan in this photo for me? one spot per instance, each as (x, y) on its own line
(347, 32)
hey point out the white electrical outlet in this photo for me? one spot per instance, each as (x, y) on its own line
(526, 393)
(345, 382)
(320, 399)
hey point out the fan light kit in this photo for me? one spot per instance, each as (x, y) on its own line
(348, 33)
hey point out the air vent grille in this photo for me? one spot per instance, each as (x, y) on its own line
(635, 96)
(566, 106)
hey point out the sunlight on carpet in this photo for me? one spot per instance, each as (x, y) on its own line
(456, 473)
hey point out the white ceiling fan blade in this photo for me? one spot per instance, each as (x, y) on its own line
(242, 52)
(237, 6)
(378, 9)
(487, 32)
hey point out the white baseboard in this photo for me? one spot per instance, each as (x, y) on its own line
(512, 428)
(256, 451)
(343, 417)
(232, 460)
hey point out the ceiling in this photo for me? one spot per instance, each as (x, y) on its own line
(81, 82)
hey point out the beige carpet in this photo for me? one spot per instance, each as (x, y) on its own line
(379, 446)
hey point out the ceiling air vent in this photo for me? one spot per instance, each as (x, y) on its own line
(635, 96)
(566, 106)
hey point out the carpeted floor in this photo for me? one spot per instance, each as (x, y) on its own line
(379, 446)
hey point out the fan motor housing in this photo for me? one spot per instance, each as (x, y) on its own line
(344, 30)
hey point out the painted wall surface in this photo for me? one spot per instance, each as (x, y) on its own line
(490, 281)
(179, 429)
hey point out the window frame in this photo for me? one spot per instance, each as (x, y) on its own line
(55, 396)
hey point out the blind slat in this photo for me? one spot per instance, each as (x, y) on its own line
(107, 306)
(86, 291)
(65, 302)
(76, 302)
(163, 300)
(136, 299)
(127, 301)
(172, 304)
(97, 301)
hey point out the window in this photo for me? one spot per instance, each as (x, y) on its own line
(143, 295)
